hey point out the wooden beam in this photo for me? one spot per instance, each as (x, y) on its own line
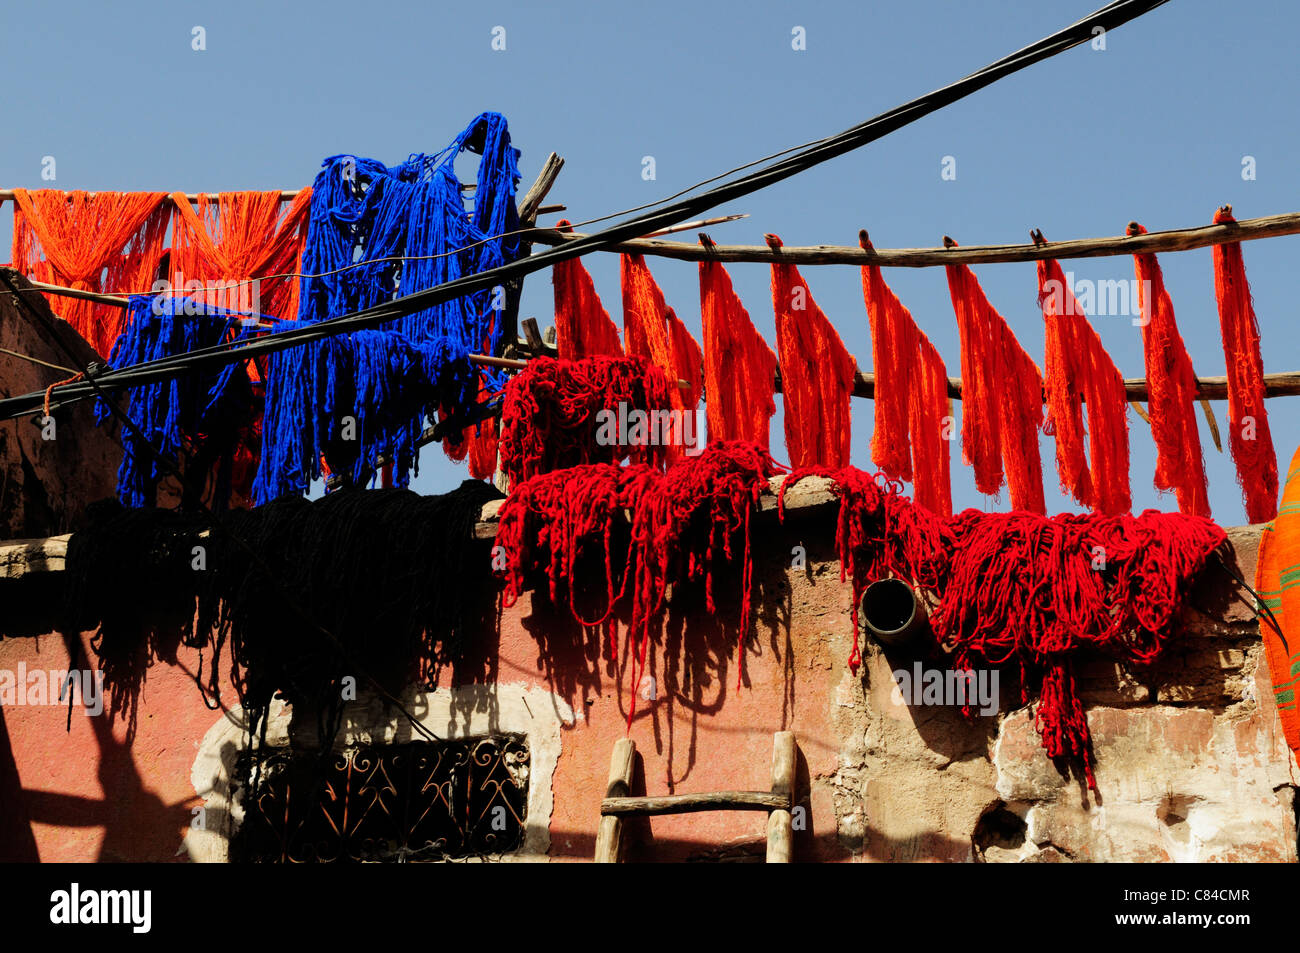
(609, 836)
(780, 828)
(691, 803)
(1182, 239)
(531, 204)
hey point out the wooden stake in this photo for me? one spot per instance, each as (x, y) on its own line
(609, 837)
(780, 828)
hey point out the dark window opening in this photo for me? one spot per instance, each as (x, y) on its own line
(407, 803)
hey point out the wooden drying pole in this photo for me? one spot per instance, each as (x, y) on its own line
(1182, 239)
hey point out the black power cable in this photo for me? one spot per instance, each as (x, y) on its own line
(1107, 18)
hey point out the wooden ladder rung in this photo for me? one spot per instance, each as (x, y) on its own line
(779, 802)
(688, 803)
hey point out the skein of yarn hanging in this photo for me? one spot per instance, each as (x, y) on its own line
(1171, 384)
(1077, 372)
(106, 241)
(817, 373)
(911, 399)
(205, 420)
(1249, 436)
(1002, 396)
(296, 594)
(1026, 590)
(682, 523)
(739, 367)
(582, 325)
(562, 413)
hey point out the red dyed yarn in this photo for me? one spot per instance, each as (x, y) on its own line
(817, 373)
(1171, 384)
(1002, 397)
(739, 367)
(1078, 372)
(682, 522)
(911, 396)
(582, 325)
(653, 332)
(109, 241)
(1027, 589)
(483, 450)
(549, 413)
(880, 533)
(1256, 459)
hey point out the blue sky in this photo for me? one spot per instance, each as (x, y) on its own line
(1153, 128)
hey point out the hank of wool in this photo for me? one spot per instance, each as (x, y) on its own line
(364, 211)
(205, 418)
(1171, 384)
(582, 325)
(240, 247)
(1250, 438)
(683, 522)
(108, 241)
(1002, 409)
(561, 413)
(911, 398)
(739, 367)
(350, 398)
(380, 585)
(1077, 371)
(880, 533)
(1028, 590)
(817, 373)
(655, 334)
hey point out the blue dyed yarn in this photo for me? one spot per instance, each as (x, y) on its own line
(385, 383)
(363, 210)
(181, 415)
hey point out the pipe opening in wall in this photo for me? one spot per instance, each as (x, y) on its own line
(891, 613)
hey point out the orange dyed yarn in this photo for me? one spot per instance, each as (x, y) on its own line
(911, 396)
(582, 325)
(817, 373)
(109, 241)
(1002, 397)
(1077, 371)
(653, 332)
(483, 450)
(739, 367)
(1171, 384)
(1256, 458)
(235, 237)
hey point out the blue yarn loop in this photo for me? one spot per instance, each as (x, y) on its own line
(388, 381)
(199, 417)
(350, 398)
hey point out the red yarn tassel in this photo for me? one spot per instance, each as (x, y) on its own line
(652, 332)
(582, 325)
(911, 396)
(1171, 384)
(739, 367)
(1250, 438)
(1002, 409)
(817, 373)
(1077, 373)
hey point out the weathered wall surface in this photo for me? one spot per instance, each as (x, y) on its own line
(45, 484)
(1191, 764)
